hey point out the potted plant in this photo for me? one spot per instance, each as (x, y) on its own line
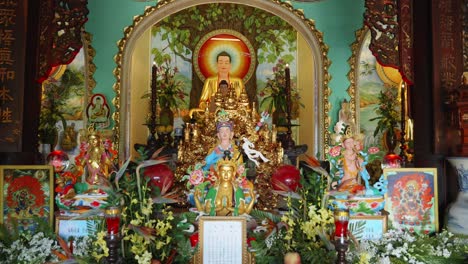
(170, 92)
(274, 95)
(388, 116)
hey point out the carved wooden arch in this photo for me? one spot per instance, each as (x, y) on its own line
(154, 14)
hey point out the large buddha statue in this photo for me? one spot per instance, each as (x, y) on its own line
(211, 85)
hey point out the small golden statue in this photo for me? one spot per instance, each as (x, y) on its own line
(95, 159)
(226, 197)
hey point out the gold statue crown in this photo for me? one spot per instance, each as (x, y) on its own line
(223, 116)
(348, 133)
(226, 161)
(92, 132)
(222, 120)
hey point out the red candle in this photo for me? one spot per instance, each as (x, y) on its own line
(341, 228)
(113, 224)
(112, 216)
(341, 224)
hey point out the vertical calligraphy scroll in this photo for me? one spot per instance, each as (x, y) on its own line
(12, 67)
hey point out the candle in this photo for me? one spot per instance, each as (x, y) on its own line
(112, 216)
(154, 95)
(341, 224)
(288, 79)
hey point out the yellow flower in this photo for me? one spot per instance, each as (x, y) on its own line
(364, 258)
(145, 258)
(135, 222)
(160, 244)
(101, 244)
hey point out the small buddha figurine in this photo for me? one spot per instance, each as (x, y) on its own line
(231, 102)
(244, 99)
(221, 93)
(195, 133)
(226, 197)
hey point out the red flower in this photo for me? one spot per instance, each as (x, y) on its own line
(374, 205)
(335, 151)
(373, 150)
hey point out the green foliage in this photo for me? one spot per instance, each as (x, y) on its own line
(170, 88)
(274, 95)
(54, 105)
(357, 228)
(267, 33)
(305, 228)
(388, 114)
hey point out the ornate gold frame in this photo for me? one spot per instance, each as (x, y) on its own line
(353, 74)
(90, 67)
(49, 182)
(223, 220)
(165, 8)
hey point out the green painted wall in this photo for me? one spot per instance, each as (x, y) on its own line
(336, 19)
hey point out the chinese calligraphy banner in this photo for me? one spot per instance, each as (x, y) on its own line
(12, 66)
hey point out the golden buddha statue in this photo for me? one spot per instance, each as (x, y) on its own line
(211, 85)
(226, 197)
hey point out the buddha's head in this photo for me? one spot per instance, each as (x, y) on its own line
(223, 62)
(226, 169)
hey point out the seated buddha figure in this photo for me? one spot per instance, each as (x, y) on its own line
(225, 197)
(211, 85)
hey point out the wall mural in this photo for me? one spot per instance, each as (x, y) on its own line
(368, 78)
(272, 37)
(255, 46)
(65, 95)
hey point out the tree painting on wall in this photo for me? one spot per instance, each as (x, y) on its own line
(178, 35)
(372, 78)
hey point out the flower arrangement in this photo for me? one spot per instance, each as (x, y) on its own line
(305, 228)
(274, 95)
(150, 230)
(42, 245)
(387, 112)
(398, 246)
(169, 88)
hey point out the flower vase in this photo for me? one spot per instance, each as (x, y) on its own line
(458, 212)
(390, 141)
(280, 118)
(166, 125)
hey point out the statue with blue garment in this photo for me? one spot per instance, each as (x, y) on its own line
(225, 135)
(348, 168)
